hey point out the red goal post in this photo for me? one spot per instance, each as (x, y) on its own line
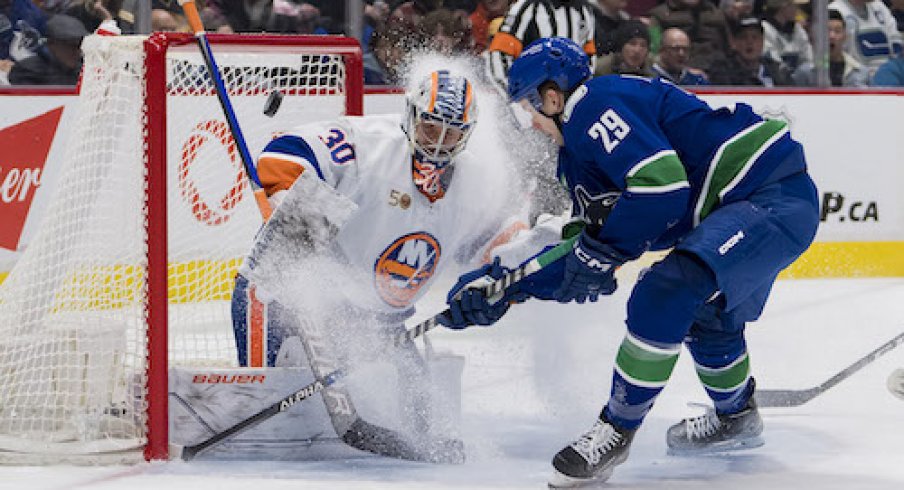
(130, 272)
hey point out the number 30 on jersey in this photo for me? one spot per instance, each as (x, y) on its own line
(611, 129)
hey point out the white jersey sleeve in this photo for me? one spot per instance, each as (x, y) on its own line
(325, 149)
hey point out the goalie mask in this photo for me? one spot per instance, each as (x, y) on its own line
(442, 110)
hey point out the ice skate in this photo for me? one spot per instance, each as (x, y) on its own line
(591, 459)
(712, 433)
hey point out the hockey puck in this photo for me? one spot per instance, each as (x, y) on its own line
(272, 103)
(896, 383)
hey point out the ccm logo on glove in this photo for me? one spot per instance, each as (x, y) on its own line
(590, 261)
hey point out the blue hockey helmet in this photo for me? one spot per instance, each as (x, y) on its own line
(555, 59)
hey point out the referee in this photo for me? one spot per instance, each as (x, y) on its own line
(529, 20)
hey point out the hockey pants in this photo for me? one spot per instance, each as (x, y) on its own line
(703, 294)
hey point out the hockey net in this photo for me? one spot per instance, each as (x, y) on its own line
(132, 268)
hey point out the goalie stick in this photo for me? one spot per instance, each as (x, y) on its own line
(194, 21)
(361, 434)
(794, 398)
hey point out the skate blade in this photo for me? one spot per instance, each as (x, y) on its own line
(559, 480)
(723, 447)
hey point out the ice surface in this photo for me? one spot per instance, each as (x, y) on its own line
(537, 379)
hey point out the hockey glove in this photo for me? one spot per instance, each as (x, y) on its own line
(468, 304)
(589, 271)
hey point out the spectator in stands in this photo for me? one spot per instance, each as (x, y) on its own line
(18, 17)
(484, 14)
(529, 20)
(447, 32)
(632, 50)
(281, 16)
(461, 8)
(608, 15)
(59, 62)
(736, 9)
(92, 13)
(672, 61)
(844, 70)
(26, 42)
(289, 17)
(330, 15)
(376, 12)
(700, 19)
(897, 11)
(785, 40)
(872, 33)
(390, 45)
(5, 67)
(413, 11)
(640, 9)
(51, 7)
(746, 64)
(165, 20)
(890, 74)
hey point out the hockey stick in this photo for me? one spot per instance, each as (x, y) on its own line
(794, 398)
(353, 436)
(194, 21)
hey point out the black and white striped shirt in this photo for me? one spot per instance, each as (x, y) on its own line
(528, 20)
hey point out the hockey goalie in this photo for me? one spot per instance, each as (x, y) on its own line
(367, 212)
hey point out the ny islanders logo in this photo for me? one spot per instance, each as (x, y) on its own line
(405, 266)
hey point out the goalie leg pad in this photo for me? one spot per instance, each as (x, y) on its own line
(262, 329)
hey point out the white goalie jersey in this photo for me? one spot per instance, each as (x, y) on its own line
(399, 238)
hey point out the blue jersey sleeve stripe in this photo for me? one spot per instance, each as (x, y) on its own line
(294, 146)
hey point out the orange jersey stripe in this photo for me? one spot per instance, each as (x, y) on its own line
(507, 44)
(277, 174)
(255, 330)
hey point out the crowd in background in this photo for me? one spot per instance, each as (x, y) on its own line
(690, 42)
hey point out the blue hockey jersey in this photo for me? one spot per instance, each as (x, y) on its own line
(672, 158)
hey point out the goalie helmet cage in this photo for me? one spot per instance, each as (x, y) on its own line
(130, 272)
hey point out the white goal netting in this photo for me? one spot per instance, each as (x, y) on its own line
(73, 329)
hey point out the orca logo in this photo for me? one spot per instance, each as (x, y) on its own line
(405, 266)
(593, 209)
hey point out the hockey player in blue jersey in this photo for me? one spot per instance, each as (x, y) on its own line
(652, 167)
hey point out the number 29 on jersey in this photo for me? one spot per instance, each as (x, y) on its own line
(611, 129)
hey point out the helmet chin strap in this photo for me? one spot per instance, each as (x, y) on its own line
(557, 117)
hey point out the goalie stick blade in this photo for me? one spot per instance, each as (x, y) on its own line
(896, 383)
(378, 440)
